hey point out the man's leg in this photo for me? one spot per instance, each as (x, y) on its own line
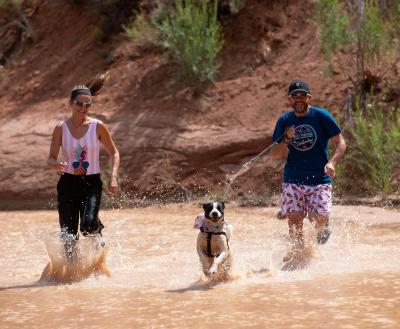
(319, 209)
(318, 220)
(321, 224)
(295, 233)
(293, 207)
(296, 228)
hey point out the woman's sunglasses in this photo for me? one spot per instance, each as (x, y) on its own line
(81, 104)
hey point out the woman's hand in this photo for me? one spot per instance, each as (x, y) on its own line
(60, 167)
(113, 185)
(57, 166)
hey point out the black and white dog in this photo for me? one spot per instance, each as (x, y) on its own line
(213, 239)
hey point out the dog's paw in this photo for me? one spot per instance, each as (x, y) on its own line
(213, 269)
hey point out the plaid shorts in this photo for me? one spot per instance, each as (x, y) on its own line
(306, 198)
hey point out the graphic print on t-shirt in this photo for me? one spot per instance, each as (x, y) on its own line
(305, 138)
(80, 165)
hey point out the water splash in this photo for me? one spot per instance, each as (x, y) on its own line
(88, 256)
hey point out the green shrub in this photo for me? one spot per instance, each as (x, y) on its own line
(139, 28)
(192, 34)
(373, 152)
(11, 5)
(236, 5)
(332, 28)
(367, 38)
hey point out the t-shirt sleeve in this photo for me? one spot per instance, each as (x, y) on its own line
(279, 130)
(331, 127)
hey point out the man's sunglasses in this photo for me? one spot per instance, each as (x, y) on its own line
(81, 104)
(299, 95)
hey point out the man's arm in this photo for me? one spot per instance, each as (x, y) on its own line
(340, 147)
(279, 151)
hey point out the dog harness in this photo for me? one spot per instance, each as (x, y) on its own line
(211, 228)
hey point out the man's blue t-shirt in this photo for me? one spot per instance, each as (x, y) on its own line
(308, 154)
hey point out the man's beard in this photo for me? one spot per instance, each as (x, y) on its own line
(300, 108)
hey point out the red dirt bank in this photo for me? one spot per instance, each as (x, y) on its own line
(169, 139)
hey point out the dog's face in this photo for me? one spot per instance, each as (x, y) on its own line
(214, 211)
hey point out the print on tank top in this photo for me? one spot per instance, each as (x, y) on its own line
(80, 164)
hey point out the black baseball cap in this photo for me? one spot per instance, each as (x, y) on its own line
(298, 86)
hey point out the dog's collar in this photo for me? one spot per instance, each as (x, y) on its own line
(219, 221)
(207, 226)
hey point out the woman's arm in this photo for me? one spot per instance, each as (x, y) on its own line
(52, 161)
(106, 139)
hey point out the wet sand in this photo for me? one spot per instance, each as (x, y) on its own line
(353, 282)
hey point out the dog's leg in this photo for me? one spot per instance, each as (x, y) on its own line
(227, 264)
(221, 258)
(205, 262)
(223, 255)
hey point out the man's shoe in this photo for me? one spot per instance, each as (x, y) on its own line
(280, 216)
(324, 234)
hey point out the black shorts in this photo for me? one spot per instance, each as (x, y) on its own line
(79, 196)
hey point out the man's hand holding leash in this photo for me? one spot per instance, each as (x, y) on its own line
(290, 133)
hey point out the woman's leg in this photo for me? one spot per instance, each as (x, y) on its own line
(89, 210)
(68, 213)
(68, 206)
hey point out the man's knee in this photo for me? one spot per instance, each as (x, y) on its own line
(296, 217)
(318, 220)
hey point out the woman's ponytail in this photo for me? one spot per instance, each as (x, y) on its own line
(97, 83)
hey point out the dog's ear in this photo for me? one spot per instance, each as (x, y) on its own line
(204, 205)
(223, 204)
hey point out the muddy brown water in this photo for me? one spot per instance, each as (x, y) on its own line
(353, 282)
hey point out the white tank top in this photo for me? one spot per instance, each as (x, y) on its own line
(81, 155)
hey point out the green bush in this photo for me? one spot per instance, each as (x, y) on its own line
(192, 34)
(367, 38)
(373, 152)
(11, 4)
(140, 28)
(332, 28)
(145, 27)
(236, 5)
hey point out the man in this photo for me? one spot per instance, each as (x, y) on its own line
(307, 186)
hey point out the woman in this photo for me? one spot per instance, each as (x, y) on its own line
(79, 188)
